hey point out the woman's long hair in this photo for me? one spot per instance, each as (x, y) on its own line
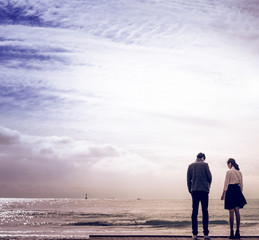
(233, 162)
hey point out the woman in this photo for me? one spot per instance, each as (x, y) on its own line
(232, 193)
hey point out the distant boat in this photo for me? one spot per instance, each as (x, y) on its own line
(139, 199)
(86, 196)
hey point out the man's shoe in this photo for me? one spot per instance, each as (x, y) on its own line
(206, 237)
(237, 235)
(231, 236)
(194, 237)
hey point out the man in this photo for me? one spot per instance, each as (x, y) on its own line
(199, 180)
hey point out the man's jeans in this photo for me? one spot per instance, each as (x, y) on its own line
(197, 197)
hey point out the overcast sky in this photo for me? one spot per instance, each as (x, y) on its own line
(116, 98)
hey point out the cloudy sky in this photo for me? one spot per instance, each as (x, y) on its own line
(116, 98)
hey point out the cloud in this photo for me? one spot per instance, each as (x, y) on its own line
(141, 22)
(27, 98)
(26, 57)
(190, 120)
(129, 163)
(55, 161)
(8, 136)
(15, 12)
(38, 99)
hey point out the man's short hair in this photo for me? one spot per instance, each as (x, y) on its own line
(201, 155)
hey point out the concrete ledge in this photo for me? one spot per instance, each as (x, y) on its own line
(156, 237)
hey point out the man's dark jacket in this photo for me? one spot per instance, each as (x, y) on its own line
(199, 176)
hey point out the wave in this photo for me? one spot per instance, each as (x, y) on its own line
(151, 223)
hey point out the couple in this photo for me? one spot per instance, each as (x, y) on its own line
(199, 180)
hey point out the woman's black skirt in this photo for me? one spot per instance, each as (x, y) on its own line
(234, 197)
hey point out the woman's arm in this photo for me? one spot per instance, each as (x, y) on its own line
(241, 182)
(223, 195)
(225, 185)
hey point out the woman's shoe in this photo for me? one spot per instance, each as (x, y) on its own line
(231, 235)
(237, 235)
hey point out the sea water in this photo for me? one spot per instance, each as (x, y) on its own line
(63, 218)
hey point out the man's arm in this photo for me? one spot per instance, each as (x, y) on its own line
(209, 176)
(189, 179)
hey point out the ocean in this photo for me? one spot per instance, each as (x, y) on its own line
(79, 218)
